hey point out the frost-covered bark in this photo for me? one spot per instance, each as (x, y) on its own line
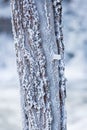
(57, 9)
(40, 60)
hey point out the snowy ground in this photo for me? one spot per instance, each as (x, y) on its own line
(10, 111)
(75, 39)
(10, 115)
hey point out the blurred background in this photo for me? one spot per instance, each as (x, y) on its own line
(75, 40)
(10, 111)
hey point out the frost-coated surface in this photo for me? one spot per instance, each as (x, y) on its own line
(38, 39)
(57, 8)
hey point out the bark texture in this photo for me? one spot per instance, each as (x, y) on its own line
(37, 30)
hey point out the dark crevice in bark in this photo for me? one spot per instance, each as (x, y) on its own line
(57, 11)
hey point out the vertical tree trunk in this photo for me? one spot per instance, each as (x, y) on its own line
(37, 29)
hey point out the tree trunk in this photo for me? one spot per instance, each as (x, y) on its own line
(37, 30)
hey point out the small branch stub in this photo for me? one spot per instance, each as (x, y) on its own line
(56, 57)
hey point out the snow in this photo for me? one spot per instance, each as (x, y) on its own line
(10, 114)
(5, 11)
(7, 60)
(75, 39)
